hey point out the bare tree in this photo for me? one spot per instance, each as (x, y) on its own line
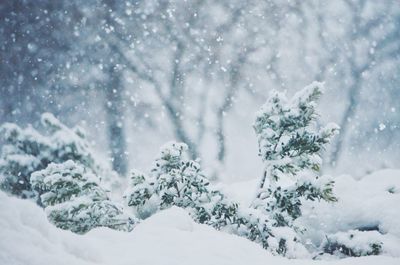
(371, 29)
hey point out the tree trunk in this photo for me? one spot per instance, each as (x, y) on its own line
(223, 109)
(174, 102)
(115, 122)
(179, 131)
(345, 122)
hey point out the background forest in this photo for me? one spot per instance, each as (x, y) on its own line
(136, 74)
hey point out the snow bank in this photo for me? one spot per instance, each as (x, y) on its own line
(371, 201)
(169, 237)
(367, 203)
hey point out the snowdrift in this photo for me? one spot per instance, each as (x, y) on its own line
(171, 237)
(370, 204)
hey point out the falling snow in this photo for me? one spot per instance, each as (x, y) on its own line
(106, 83)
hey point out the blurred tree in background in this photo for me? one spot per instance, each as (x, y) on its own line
(138, 73)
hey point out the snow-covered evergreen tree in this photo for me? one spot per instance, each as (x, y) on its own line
(74, 200)
(290, 146)
(177, 181)
(26, 151)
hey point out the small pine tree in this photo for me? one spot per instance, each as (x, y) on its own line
(26, 151)
(290, 147)
(75, 201)
(177, 181)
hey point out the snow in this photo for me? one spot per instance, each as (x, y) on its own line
(138, 73)
(356, 240)
(370, 201)
(304, 94)
(364, 203)
(171, 237)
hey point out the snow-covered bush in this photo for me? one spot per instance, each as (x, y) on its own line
(290, 147)
(74, 200)
(26, 151)
(353, 243)
(177, 181)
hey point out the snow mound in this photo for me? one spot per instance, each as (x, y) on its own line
(173, 219)
(168, 237)
(370, 204)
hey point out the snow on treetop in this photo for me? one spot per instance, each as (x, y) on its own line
(50, 121)
(54, 171)
(170, 156)
(280, 113)
(331, 127)
(309, 94)
(65, 178)
(13, 133)
(173, 149)
(275, 99)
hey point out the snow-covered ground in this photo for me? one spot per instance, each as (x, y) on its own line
(171, 237)
(369, 202)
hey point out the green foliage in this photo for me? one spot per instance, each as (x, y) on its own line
(59, 170)
(26, 151)
(177, 181)
(290, 147)
(286, 133)
(141, 190)
(75, 201)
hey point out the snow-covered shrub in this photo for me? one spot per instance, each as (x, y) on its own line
(290, 147)
(353, 243)
(74, 200)
(177, 181)
(26, 151)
